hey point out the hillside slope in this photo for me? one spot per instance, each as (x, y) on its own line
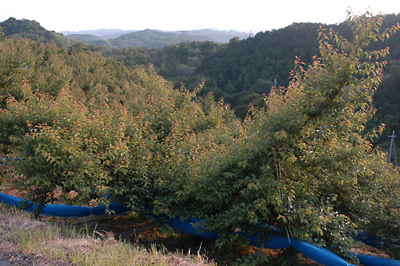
(32, 29)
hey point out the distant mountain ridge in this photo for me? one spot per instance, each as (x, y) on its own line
(221, 36)
(32, 29)
(102, 33)
(116, 38)
(214, 35)
(146, 38)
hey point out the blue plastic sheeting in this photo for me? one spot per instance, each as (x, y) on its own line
(65, 210)
(275, 242)
(4, 159)
(7, 159)
(368, 260)
(318, 253)
(310, 250)
(188, 228)
(369, 240)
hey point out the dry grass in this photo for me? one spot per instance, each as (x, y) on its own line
(367, 250)
(31, 242)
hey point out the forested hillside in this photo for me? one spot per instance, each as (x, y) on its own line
(251, 67)
(88, 38)
(32, 30)
(174, 62)
(387, 96)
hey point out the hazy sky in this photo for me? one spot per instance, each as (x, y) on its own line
(244, 15)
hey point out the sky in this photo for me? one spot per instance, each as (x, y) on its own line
(176, 15)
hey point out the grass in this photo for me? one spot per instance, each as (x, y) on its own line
(47, 243)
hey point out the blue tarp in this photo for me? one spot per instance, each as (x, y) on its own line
(4, 159)
(65, 210)
(368, 260)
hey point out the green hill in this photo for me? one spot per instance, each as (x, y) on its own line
(85, 37)
(150, 39)
(32, 29)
